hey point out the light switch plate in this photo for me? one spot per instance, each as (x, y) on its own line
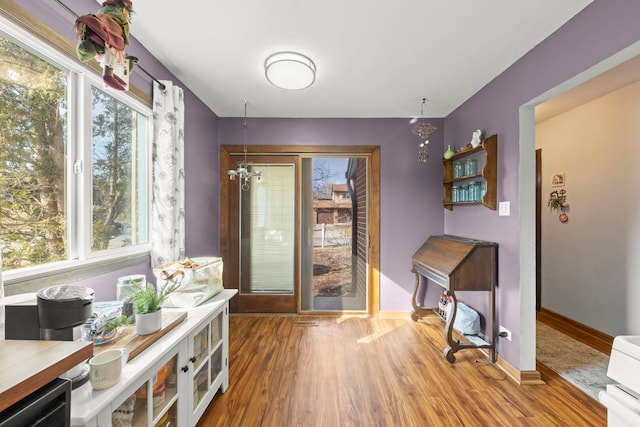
(504, 209)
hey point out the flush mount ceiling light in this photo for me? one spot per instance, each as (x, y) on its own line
(290, 70)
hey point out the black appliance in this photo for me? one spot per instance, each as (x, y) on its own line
(61, 309)
(55, 314)
(50, 406)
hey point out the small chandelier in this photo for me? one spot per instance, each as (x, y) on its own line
(243, 170)
(423, 130)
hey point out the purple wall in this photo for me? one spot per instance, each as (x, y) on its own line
(201, 145)
(599, 31)
(202, 179)
(410, 192)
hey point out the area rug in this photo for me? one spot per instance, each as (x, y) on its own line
(581, 365)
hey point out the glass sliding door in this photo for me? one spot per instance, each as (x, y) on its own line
(304, 237)
(334, 245)
(261, 243)
(267, 231)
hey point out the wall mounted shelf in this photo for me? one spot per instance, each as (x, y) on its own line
(483, 176)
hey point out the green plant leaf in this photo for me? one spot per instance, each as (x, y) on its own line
(146, 299)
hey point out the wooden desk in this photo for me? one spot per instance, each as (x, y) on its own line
(458, 264)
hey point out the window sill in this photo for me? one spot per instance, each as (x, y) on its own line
(33, 279)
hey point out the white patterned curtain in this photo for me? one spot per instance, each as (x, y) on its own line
(167, 199)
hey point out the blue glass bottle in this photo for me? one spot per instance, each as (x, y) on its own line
(470, 167)
(455, 194)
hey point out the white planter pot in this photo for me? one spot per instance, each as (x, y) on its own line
(148, 323)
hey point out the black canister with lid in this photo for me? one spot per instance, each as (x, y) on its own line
(61, 308)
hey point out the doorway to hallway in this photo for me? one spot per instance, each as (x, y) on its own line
(538, 110)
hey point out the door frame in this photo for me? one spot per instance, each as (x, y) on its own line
(538, 229)
(231, 275)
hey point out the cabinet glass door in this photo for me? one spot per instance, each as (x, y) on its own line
(201, 365)
(216, 364)
(164, 391)
(157, 397)
(216, 330)
(132, 412)
(200, 385)
(216, 348)
(169, 418)
(200, 347)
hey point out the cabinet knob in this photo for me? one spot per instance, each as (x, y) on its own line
(185, 368)
(193, 359)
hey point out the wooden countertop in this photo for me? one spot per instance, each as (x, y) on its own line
(27, 365)
(135, 343)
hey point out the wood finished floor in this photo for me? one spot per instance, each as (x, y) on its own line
(352, 371)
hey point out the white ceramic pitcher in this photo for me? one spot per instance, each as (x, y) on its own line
(105, 368)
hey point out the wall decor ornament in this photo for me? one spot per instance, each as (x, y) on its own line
(449, 153)
(476, 138)
(85, 51)
(423, 130)
(558, 200)
(103, 36)
(557, 179)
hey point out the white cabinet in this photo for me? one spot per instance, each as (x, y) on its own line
(207, 366)
(175, 379)
(179, 388)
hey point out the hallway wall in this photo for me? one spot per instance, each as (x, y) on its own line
(589, 264)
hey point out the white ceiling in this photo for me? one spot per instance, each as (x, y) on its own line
(375, 58)
(616, 78)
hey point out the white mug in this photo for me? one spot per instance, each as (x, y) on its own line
(106, 367)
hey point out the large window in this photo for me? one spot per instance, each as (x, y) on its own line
(74, 161)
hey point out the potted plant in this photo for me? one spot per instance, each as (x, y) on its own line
(147, 305)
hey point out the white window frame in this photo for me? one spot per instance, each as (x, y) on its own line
(81, 262)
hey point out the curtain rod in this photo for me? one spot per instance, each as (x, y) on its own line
(75, 15)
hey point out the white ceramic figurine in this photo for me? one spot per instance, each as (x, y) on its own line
(476, 138)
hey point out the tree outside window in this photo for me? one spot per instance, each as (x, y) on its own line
(33, 117)
(119, 175)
